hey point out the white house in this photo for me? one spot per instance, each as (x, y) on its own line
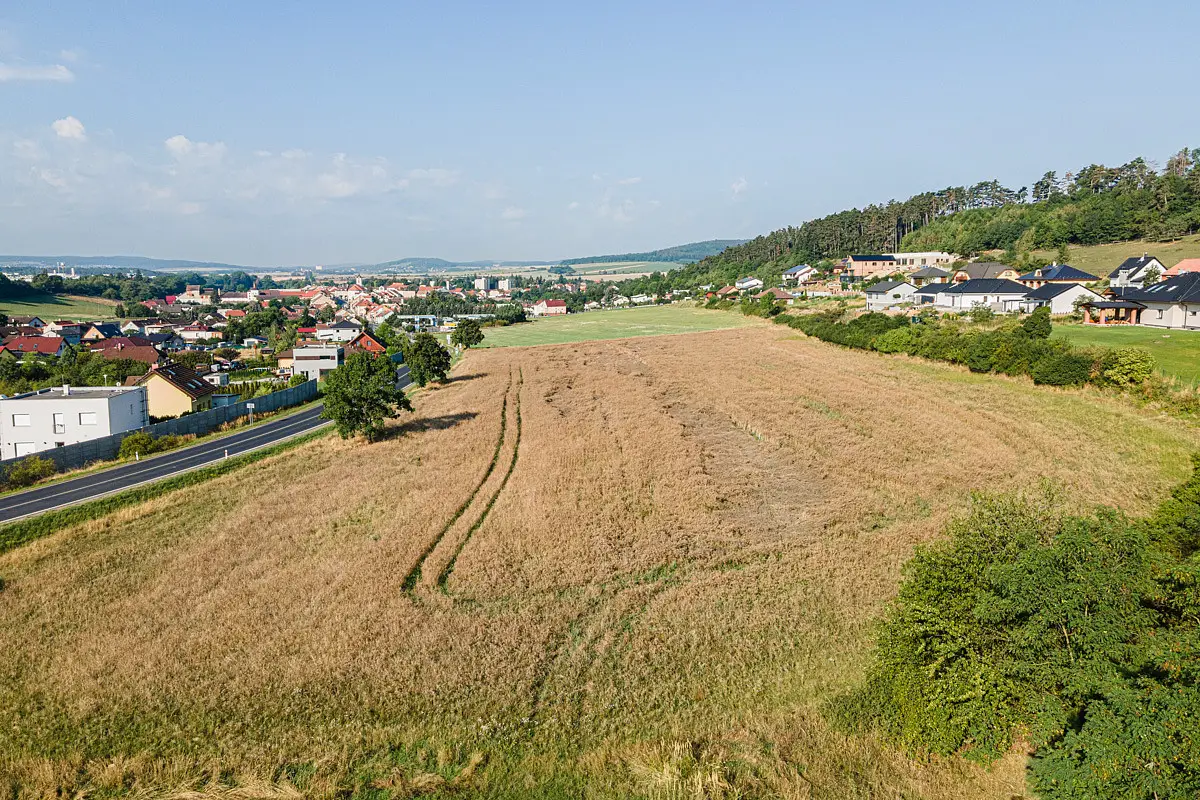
(344, 331)
(641, 299)
(933, 294)
(49, 418)
(549, 308)
(1060, 298)
(888, 294)
(993, 293)
(1132, 271)
(314, 360)
(749, 283)
(799, 275)
(1173, 303)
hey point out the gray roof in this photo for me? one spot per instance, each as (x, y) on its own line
(873, 258)
(934, 288)
(1133, 264)
(1050, 291)
(1058, 272)
(983, 269)
(988, 286)
(886, 286)
(1183, 288)
(930, 272)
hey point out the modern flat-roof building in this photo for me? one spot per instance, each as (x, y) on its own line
(314, 360)
(63, 415)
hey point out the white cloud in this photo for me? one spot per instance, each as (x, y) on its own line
(56, 73)
(574, 204)
(28, 150)
(435, 176)
(629, 181)
(69, 55)
(512, 214)
(183, 148)
(70, 128)
(739, 188)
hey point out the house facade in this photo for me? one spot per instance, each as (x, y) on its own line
(1056, 273)
(1133, 271)
(549, 308)
(991, 293)
(63, 415)
(1060, 298)
(1173, 303)
(984, 270)
(314, 360)
(889, 294)
(174, 390)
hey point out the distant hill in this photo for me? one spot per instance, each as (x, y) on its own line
(680, 254)
(424, 263)
(115, 262)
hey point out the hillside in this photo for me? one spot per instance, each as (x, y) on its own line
(1095, 205)
(602, 569)
(86, 263)
(680, 254)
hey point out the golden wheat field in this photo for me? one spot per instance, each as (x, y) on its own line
(632, 568)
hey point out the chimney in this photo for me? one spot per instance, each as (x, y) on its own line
(66, 390)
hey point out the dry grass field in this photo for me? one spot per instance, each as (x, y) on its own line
(632, 568)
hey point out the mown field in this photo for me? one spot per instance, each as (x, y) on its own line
(1101, 259)
(630, 568)
(53, 307)
(1177, 352)
(616, 324)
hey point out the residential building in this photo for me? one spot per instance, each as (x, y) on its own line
(63, 415)
(173, 390)
(888, 294)
(485, 283)
(314, 360)
(137, 348)
(199, 333)
(365, 343)
(1173, 303)
(933, 294)
(27, 322)
(549, 308)
(799, 274)
(72, 332)
(99, 330)
(641, 299)
(748, 284)
(907, 261)
(344, 331)
(194, 296)
(507, 284)
(1056, 273)
(1060, 298)
(1185, 266)
(993, 293)
(869, 266)
(22, 346)
(781, 295)
(1133, 271)
(928, 275)
(984, 270)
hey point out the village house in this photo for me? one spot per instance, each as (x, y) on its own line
(1173, 303)
(175, 389)
(984, 270)
(926, 275)
(799, 274)
(780, 295)
(314, 360)
(1056, 273)
(549, 308)
(344, 331)
(1060, 298)
(99, 330)
(931, 294)
(72, 332)
(1133, 271)
(199, 333)
(1184, 266)
(907, 261)
(993, 293)
(365, 343)
(748, 284)
(23, 346)
(194, 296)
(869, 266)
(889, 294)
(64, 415)
(135, 348)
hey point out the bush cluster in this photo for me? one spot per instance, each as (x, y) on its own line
(1078, 633)
(28, 471)
(1011, 349)
(142, 443)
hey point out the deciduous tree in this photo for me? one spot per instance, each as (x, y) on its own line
(361, 395)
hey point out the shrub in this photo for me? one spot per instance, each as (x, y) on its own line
(981, 314)
(1063, 369)
(1037, 325)
(136, 443)
(1127, 366)
(896, 340)
(29, 471)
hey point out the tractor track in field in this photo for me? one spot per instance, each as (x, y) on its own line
(414, 575)
(444, 576)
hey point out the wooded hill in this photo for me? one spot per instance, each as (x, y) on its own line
(1095, 205)
(680, 254)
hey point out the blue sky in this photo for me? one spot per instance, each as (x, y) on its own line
(316, 132)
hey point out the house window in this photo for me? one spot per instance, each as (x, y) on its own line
(60, 422)
(87, 417)
(1158, 313)
(20, 420)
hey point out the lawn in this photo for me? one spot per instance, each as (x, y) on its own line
(1101, 259)
(1177, 352)
(635, 568)
(54, 307)
(616, 324)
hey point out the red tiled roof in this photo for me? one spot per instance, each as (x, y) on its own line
(42, 345)
(555, 303)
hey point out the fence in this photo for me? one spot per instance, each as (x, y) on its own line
(74, 456)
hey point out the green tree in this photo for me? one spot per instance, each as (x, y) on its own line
(1037, 324)
(427, 360)
(467, 334)
(361, 395)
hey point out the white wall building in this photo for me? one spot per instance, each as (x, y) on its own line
(313, 361)
(49, 418)
(889, 294)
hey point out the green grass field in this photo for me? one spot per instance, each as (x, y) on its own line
(618, 324)
(1102, 259)
(1177, 352)
(51, 307)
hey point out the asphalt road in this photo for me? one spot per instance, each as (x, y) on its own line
(110, 481)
